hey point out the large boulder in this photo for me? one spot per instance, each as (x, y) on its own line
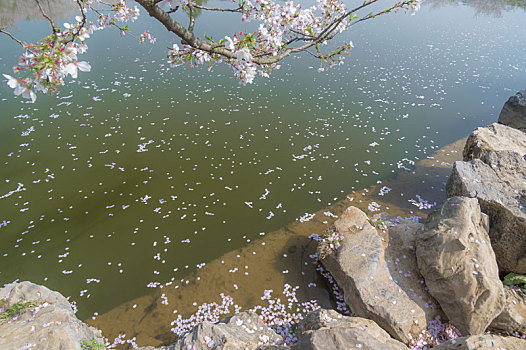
(455, 257)
(498, 181)
(483, 342)
(329, 330)
(512, 319)
(494, 137)
(374, 286)
(514, 111)
(241, 331)
(46, 320)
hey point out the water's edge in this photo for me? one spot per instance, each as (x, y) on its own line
(280, 257)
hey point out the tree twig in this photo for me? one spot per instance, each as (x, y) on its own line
(3, 31)
(192, 17)
(239, 9)
(46, 16)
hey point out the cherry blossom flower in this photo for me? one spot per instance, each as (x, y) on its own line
(11, 82)
(147, 36)
(72, 67)
(230, 42)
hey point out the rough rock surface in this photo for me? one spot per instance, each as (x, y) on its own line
(455, 257)
(514, 111)
(329, 330)
(52, 324)
(494, 137)
(513, 318)
(373, 288)
(483, 342)
(498, 181)
(241, 331)
(400, 255)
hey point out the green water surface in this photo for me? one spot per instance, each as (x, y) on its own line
(102, 221)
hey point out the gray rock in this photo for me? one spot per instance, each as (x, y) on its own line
(498, 181)
(374, 288)
(483, 342)
(513, 318)
(494, 137)
(455, 257)
(241, 331)
(329, 330)
(514, 111)
(51, 324)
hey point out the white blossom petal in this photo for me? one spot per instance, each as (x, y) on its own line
(230, 43)
(84, 66)
(12, 82)
(71, 69)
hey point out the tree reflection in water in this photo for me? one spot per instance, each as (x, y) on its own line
(482, 7)
(15, 10)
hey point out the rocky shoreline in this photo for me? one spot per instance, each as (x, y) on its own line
(434, 284)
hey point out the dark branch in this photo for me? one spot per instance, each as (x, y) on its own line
(3, 31)
(192, 18)
(187, 36)
(262, 58)
(46, 16)
(238, 10)
(173, 10)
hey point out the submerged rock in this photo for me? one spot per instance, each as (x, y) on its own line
(494, 137)
(498, 181)
(49, 322)
(455, 257)
(241, 331)
(329, 330)
(514, 111)
(483, 342)
(373, 287)
(513, 318)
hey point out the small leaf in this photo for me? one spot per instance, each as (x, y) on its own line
(514, 279)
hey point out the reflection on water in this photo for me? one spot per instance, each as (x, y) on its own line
(482, 7)
(12, 11)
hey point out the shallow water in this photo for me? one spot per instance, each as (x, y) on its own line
(284, 256)
(137, 173)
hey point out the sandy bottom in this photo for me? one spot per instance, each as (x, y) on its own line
(277, 258)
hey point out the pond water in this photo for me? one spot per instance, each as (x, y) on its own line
(139, 174)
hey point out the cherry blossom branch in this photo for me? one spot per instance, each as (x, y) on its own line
(175, 27)
(81, 26)
(189, 38)
(3, 31)
(217, 9)
(48, 61)
(46, 16)
(285, 29)
(192, 17)
(329, 32)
